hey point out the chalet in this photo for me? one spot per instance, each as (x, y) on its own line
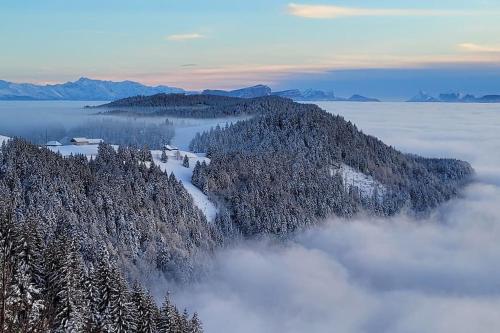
(171, 148)
(95, 141)
(85, 141)
(53, 144)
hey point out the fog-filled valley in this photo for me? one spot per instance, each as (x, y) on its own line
(42, 121)
(438, 273)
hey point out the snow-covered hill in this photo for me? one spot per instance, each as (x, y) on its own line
(82, 89)
(173, 165)
(3, 138)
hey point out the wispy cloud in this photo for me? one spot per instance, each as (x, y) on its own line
(480, 48)
(231, 76)
(182, 37)
(333, 12)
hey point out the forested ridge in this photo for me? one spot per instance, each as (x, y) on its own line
(193, 106)
(276, 172)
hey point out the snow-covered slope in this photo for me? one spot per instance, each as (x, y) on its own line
(184, 174)
(173, 165)
(364, 183)
(82, 89)
(3, 138)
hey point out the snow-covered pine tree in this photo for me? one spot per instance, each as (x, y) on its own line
(8, 235)
(164, 157)
(195, 324)
(65, 283)
(146, 312)
(121, 308)
(185, 321)
(166, 317)
(185, 162)
(26, 301)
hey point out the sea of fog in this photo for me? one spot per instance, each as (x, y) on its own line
(440, 274)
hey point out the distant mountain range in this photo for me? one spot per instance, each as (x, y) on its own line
(98, 90)
(294, 94)
(423, 97)
(82, 89)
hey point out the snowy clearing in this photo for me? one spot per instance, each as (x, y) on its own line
(366, 184)
(3, 139)
(90, 151)
(184, 174)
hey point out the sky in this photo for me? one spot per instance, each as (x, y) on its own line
(193, 44)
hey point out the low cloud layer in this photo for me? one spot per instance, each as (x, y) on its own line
(440, 274)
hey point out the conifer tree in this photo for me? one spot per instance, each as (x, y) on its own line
(145, 310)
(65, 284)
(166, 317)
(164, 157)
(195, 324)
(185, 162)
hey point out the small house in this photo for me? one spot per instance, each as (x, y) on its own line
(53, 144)
(171, 148)
(80, 141)
(85, 141)
(95, 141)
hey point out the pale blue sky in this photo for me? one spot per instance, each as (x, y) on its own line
(198, 44)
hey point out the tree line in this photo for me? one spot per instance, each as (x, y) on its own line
(47, 287)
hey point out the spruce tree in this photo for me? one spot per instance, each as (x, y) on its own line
(146, 312)
(164, 157)
(65, 283)
(185, 162)
(195, 324)
(166, 317)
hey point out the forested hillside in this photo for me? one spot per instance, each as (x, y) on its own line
(194, 106)
(277, 172)
(45, 286)
(138, 216)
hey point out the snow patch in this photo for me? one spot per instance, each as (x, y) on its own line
(366, 184)
(3, 139)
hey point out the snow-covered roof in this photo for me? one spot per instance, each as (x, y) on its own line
(169, 147)
(87, 141)
(53, 143)
(79, 140)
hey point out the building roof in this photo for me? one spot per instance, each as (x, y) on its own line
(88, 141)
(169, 147)
(79, 140)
